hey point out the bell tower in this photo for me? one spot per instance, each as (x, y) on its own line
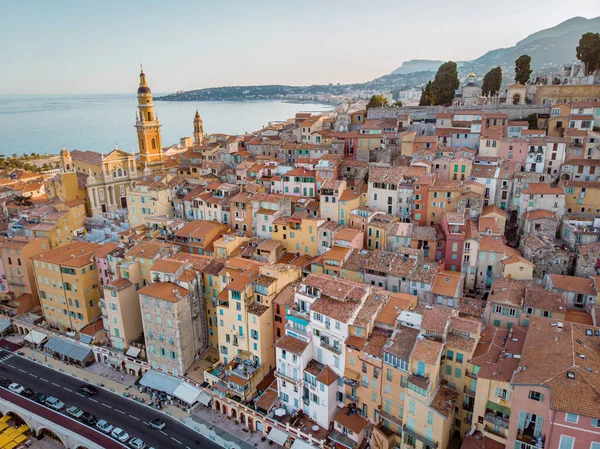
(148, 128)
(198, 129)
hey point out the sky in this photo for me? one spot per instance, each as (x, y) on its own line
(74, 46)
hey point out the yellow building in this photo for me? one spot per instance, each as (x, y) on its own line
(67, 186)
(229, 245)
(442, 198)
(349, 201)
(460, 169)
(298, 233)
(145, 254)
(517, 267)
(19, 289)
(559, 119)
(68, 285)
(148, 129)
(582, 197)
(377, 230)
(150, 197)
(568, 93)
(106, 177)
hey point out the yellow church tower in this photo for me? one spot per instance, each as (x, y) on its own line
(148, 129)
(198, 129)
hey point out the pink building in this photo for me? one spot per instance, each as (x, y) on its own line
(349, 238)
(104, 265)
(3, 280)
(556, 388)
(453, 224)
(513, 150)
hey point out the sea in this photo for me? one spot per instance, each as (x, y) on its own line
(43, 124)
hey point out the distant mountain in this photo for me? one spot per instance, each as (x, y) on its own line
(548, 49)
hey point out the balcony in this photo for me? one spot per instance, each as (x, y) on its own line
(389, 417)
(335, 350)
(418, 436)
(490, 429)
(352, 383)
(495, 419)
(285, 377)
(302, 334)
(468, 406)
(469, 391)
(471, 375)
(302, 314)
(352, 397)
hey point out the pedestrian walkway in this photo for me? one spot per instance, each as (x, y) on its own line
(218, 421)
(232, 438)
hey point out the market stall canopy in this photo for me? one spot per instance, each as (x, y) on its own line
(160, 381)
(278, 436)
(68, 349)
(35, 337)
(187, 393)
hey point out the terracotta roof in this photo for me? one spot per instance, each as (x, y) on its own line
(478, 441)
(516, 259)
(352, 421)
(89, 157)
(566, 360)
(76, 254)
(166, 291)
(436, 318)
(167, 265)
(118, 284)
(538, 298)
(539, 214)
(444, 401)
(572, 284)
(447, 284)
(542, 188)
(327, 376)
(427, 351)
(291, 344)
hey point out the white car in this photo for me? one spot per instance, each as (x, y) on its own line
(120, 435)
(136, 443)
(104, 426)
(75, 412)
(16, 388)
(55, 403)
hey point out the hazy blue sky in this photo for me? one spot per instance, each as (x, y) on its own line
(74, 46)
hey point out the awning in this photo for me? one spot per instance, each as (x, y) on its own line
(204, 398)
(301, 444)
(278, 436)
(68, 349)
(35, 337)
(133, 351)
(4, 324)
(115, 361)
(160, 381)
(132, 366)
(187, 393)
(342, 439)
(498, 408)
(351, 374)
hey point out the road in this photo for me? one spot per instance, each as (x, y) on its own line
(116, 409)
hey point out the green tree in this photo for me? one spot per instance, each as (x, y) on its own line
(377, 101)
(492, 81)
(588, 52)
(397, 104)
(523, 69)
(445, 83)
(427, 95)
(532, 119)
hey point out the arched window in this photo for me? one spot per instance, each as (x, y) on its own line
(153, 144)
(142, 142)
(149, 116)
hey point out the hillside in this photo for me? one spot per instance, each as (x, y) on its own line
(548, 49)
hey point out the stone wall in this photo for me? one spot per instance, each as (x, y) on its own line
(429, 112)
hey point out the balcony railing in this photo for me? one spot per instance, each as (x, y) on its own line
(352, 383)
(395, 419)
(469, 391)
(302, 314)
(468, 406)
(285, 377)
(331, 348)
(491, 417)
(352, 397)
(490, 429)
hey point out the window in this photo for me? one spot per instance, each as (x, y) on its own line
(450, 355)
(572, 417)
(566, 442)
(596, 423)
(459, 357)
(534, 395)
(457, 373)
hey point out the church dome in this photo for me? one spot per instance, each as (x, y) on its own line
(144, 90)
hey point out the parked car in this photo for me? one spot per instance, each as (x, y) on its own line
(75, 412)
(16, 388)
(104, 426)
(40, 398)
(136, 443)
(5, 382)
(55, 403)
(87, 390)
(27, 392)
(157, 424)
(120, 435)
(88, 418)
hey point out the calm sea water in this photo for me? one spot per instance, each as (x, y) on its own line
(44, 124)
